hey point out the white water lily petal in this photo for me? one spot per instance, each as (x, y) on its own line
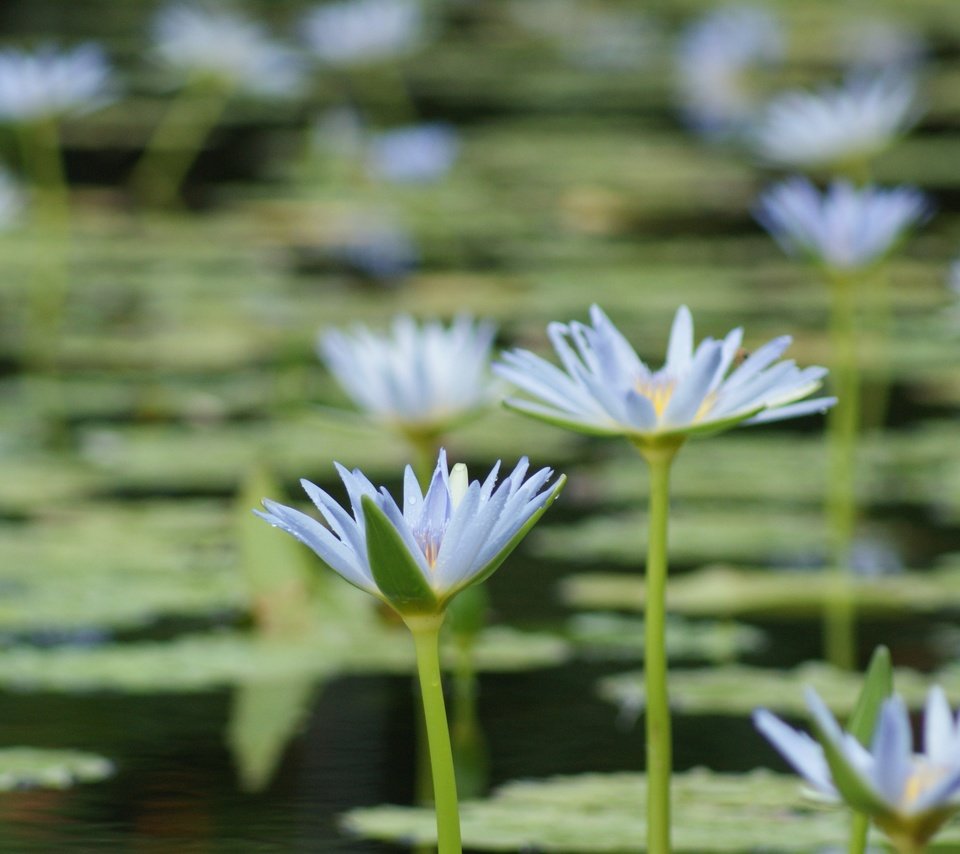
(845, 228)
(912, 793)
(891, 750)
(419, 377)
(605, 388)
(219, 43)
(451, 543)
(799, 749)
(836, 125)
(49, 83)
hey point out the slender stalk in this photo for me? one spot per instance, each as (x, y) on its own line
(426, 636)
(879, 311)
(859, 831)
(843, 428)
(40, 146)
(659, 742)
(177, 140)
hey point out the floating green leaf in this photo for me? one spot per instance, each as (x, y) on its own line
(602, 813)
(30, 767)
(738, 690)
(721, 591)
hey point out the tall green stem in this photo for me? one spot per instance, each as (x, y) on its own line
(843, 432)
(43, 161)
(879, 315)
(426, 637)
(859, 831)
(177, 140)
(659, 742)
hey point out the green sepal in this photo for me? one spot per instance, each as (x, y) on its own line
(504, 553)
(396, 571)
(877, 687)
(528, 408)
(853, 790)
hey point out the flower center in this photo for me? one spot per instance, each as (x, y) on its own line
(923, 775)
(658, 390)
(430, 539)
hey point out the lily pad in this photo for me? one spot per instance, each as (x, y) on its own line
(697, 535)
(33, 768)
(724, 591)
(738, 689)
(604, 813)
(207, 661)
(600, 634)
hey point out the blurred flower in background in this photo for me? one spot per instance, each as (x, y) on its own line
(715, 59)
(416, 154)
(49, 83)
(374, 247)
(219, 44)
(844, 228)
(419, 378)
(356, 32)
(837, 126)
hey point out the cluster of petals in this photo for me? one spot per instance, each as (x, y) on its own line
(414, 154)
(605, 388)
(49, 83)
(420, 377)
(457, 533)
(908, 794)
(355, 32)
(714, 59)
(836, 125)
(218, 43)
(843, 228)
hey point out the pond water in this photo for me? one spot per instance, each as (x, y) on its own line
(146, 617)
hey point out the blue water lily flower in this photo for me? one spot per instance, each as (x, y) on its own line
(908, 795)
(836, 125)
(419, 378)
(415, 154)
(715, 58)
(218, 43)
(49, 83)
(355, 32)
(418, 557)
(606, 389)
(844, 228)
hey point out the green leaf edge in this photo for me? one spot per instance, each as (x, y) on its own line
(396, 572)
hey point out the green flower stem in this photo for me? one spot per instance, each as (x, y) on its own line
(659, 458)
(843, 429)
(43, 163)
(879, 311)
(177, 140)
(426, 636)
(859, 831)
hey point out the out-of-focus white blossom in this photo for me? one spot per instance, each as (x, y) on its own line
(215, 42)
(49, 83)
(836, 126)
(845, 228)
(357, 32)
(416, 154)
(714, 61)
